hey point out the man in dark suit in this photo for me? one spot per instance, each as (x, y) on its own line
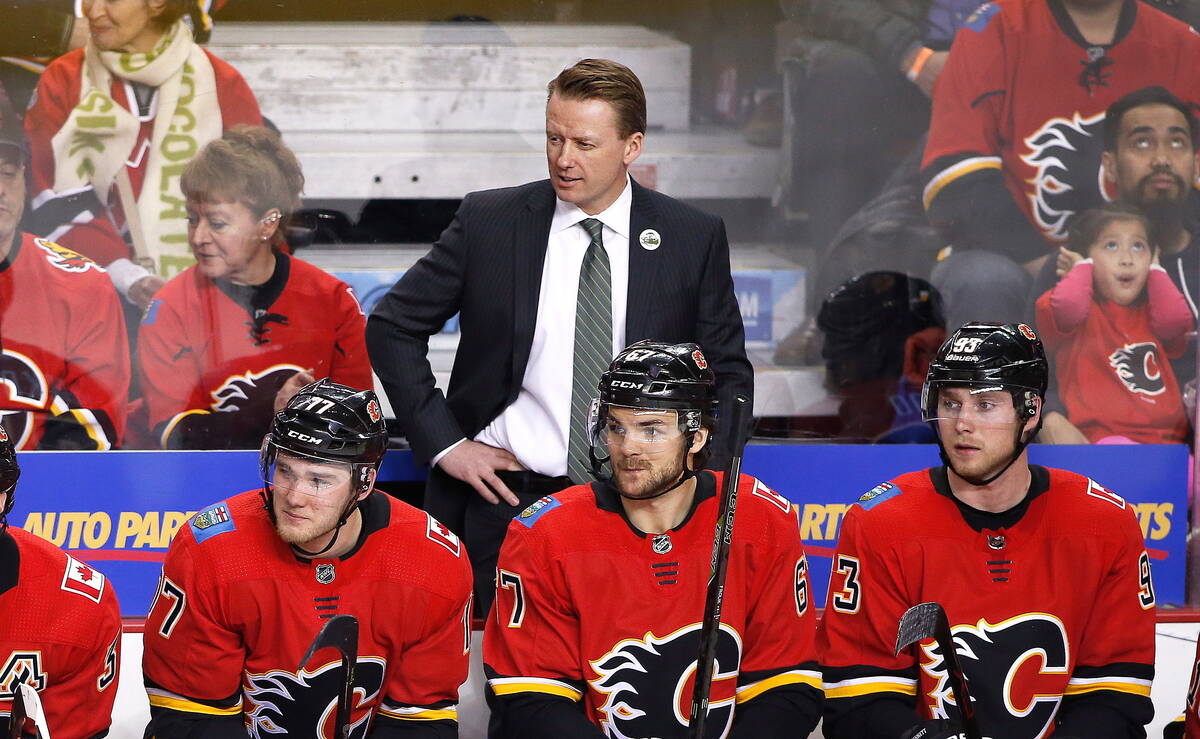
(551, 279)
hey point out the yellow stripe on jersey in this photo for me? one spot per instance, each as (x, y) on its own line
(177, 703)
(413, 713)
(166, 434)
(869, 685)
(955, 171)
(512, 685)
(794, 677)
(1133, 687)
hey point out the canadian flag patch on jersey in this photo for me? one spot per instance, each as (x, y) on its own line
(437, 531)
(83, 580)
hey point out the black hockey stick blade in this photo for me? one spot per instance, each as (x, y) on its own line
(16, 719)
(714, 598)
(340, 633)
(928, 621)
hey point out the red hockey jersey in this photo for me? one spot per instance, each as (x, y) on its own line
(1025, 94)
(1055, 608)
(236, 610)
(1114, 375)
(60, 633)
(211, 359)
(590, 609)
(63, 348)
(93, 225)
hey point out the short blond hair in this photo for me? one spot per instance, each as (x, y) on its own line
(612, 82)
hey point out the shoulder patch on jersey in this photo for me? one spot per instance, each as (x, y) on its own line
(81, 579)
(775, 499)
(979, 20)
(151, 314)
(537, 509)
(437, 531)
(1096, 490)
(212, 521)
(876, 495)
(65, 259)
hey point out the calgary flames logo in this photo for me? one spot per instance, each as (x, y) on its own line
(252, 389)
(281, 703)
(648, 684)
(1137, 367)
(65, 259)
(1069, 179)
(1017, 670)
(23, 390)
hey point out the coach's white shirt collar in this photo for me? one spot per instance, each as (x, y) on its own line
(615, 216)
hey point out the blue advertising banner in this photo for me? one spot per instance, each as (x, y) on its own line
(119, 510)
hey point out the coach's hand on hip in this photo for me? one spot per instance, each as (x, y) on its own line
(476, 464)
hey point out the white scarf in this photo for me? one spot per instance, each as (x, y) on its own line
(98, 137)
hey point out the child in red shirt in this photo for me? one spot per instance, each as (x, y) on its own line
(1110, 324)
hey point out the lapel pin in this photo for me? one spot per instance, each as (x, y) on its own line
(650, 240)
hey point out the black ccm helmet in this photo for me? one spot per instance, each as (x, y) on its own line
(9, 472)
(328, 422)
(656, 375)
(997, 356)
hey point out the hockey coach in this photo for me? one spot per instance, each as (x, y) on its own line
(1042, 574)
(251, 580)
(600, 588)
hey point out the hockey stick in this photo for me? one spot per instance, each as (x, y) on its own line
(928, 621)
(27, 706)
(714, 597)
(341, 633)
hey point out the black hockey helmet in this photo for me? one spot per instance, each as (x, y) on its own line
(656, 375)
(330, 423)
(9, 472)
(1008, 356)
(990, 356)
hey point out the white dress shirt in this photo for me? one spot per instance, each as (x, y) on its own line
(535, 427)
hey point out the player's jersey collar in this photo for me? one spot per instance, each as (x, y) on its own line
(1039, 482)
(375, 514)
(608, 499)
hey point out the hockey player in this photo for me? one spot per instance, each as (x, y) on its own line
(600, 588)
(245, 590)
(64, 357)
(1042, 573)
(61, 627)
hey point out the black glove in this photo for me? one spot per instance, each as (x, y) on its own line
(938, 728)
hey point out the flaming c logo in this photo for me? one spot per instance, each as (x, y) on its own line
(1137, 367)
(282, 703)
(1066, 154)
(65, 259)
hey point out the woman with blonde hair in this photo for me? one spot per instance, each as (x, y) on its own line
(226, 342)
(111, 128)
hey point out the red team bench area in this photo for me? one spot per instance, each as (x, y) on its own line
(141, 504)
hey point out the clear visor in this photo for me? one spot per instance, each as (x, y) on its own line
(625, 431)
(983, 407)
(287, 470)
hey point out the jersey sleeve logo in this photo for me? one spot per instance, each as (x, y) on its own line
(437, 531)
(215, 520)
(537, 509)
(979, 20)
(876, 495)
(775, 499)
(83, 580)
(65, 259)
(1096, 490)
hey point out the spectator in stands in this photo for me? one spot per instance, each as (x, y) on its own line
(112, 128)
(865, 62)
(550, 279)
(64, 358)
(1110, 324)
(1015, 139)
(1150, 142)
(230, 339)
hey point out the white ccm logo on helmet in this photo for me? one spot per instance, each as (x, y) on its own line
(303, 437)
(626, 384)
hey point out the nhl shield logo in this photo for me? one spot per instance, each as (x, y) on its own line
(661, 544)
(325, 573)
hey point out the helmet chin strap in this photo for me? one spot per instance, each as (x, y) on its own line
(687, 474)
(336, 530)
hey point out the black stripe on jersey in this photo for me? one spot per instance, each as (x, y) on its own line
(1135, 670)
(748, 677)
(986, 95)
(10, 562)
(580, 685)
(230, 702)
(62, 210)
(852, 672)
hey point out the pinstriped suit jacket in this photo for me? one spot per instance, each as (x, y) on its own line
(487, 266)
